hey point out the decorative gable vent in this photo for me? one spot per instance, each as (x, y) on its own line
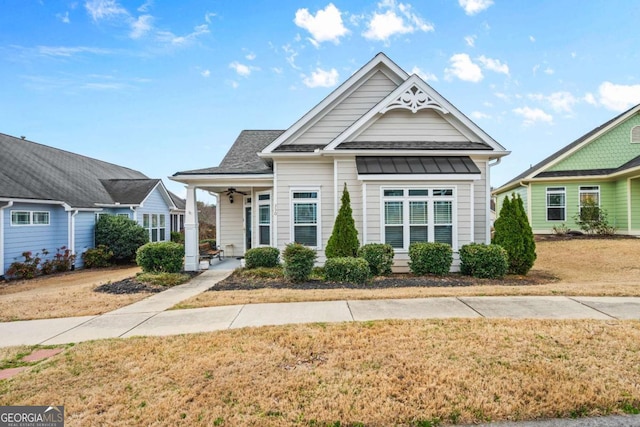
(414, 99)
(635, 135)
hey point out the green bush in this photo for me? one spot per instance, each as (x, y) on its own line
(298, 262)
(160, 257)
(379, 256)
(97, 257)
(344, 237)
(262, 257)
(430, 258)
(163, 279)
(123, 236)
(177, 237)
(514, 234)
(484, 261)
(346, 269)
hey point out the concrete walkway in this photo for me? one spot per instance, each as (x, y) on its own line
(150, 316)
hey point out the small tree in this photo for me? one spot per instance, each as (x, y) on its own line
(514, 234)
(344, 237)
(592, 219)
(123, 236)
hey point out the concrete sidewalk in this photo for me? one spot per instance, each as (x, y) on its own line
(148, 317)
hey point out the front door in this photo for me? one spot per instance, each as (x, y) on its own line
(247, 228)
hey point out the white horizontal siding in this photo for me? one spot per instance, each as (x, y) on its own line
(480, 203)
(347, 173)
(348, 111)
(230, 237)
(301, 174)
(403, 125)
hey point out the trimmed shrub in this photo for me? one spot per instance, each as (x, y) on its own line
(262, 257)
(484, 261)
(123, 236)
(379, 256)
(160, 257)
(177, 237)
(344, 237)
(97, 257)
(430, 258)
(514, 234)
(346, 269)
(298, 262)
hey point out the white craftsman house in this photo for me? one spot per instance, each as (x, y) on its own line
(416, 168)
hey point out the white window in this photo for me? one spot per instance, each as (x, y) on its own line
(30, 218)
(589, 197)
(556, 204)
(155, 224)
(304, 207)
(417, 215)
(264, 219)
(635, 135)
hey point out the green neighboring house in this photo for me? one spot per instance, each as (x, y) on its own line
(602, 166)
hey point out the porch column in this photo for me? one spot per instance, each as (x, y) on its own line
(191, 235)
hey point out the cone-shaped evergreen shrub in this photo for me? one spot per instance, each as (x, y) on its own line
(514, 234)
(344, 238)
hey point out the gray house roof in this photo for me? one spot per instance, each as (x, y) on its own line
(29, 170)
(242, 157)
(416, 165)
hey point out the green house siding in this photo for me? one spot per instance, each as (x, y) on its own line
(610, 150)
(609, 200)
(621, 218)
(522, 191)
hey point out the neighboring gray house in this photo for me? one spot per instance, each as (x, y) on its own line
(50, 198)
(417, 170)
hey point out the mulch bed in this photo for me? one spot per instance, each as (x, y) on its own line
(133, 286)
(235, 282)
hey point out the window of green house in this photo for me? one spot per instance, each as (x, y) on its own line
(589, 197)
(556, 204)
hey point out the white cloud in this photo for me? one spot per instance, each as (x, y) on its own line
(590, 99)
(478, 115)
(535, 69)
(463, 68)
(170, 38)
(66, 51)
(63, 18)
(241, 69)
(494, 65)
(471, 7)
(322, 78)
(532, 39)
(141, 26)
(502, 96)
(146, 6)
(471, 40)
(562, 101)
(205, 73)
(104, 9)
(234, 84)
(618, 97)
(427, 77)
(574, 55)
(208, 16)
(397, 18)
(549, 71)
(277, 70)
(251, 56)
(533, 115)
(291, 56)
(326, 25)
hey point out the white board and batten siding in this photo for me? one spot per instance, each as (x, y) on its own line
(403, 125)
(348, 111)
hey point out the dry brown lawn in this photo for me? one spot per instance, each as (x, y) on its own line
(64, 295)
(376, 373)
(588, 267)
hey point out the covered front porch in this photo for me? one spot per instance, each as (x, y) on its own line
(244, 212)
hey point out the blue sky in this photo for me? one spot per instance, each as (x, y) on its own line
(164, 86)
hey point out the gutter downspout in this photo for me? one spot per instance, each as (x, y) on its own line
(488, 200)
(72, 233)
(8, 205)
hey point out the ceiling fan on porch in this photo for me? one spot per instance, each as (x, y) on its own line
(231, 191)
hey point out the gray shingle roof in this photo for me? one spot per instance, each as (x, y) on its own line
(178, 201)
(29, 170)
(416, 165)
(413, 145)
(242, 157)
(129, 191)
